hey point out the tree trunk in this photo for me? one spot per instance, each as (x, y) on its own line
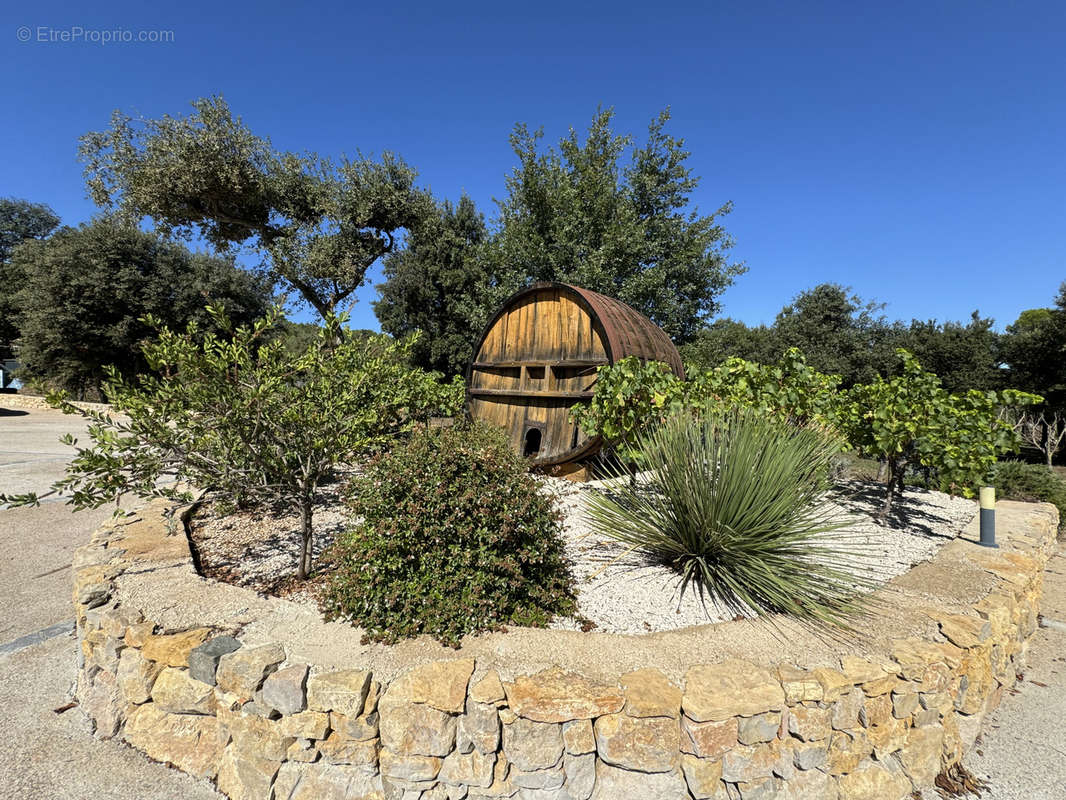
(896, 468)
(304, 567)
(882, 470)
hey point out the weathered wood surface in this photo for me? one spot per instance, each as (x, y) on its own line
(538, 356)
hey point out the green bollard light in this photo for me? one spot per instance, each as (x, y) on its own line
(988, 517)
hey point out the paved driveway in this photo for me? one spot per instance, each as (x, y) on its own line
(45, 755)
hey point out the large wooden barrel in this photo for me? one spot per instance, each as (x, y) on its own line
(538, 356)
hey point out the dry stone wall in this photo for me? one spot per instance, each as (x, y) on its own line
(266, 727)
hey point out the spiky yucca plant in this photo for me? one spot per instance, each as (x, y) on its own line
(736, 504)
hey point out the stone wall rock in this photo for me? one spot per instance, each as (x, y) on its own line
(262, 726)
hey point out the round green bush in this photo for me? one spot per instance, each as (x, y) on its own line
(455, 537)
(1016, 480)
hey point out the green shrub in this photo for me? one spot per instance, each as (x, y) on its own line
(736, 505)
(243, 416)
(1016, 480)
(455, 537)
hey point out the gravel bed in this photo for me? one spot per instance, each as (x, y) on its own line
(626, 592)
(618, 592)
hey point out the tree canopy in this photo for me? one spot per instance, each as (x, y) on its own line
(442, 286)
(87, 291)
(20, 220)
(319, 224)
(582, 214)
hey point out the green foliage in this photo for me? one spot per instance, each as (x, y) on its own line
(1034, 349)
(455, 537)
(789, 389)
(441, 286)
(87, 291)
(912, 420)
(728, 338)
(245, 418)
(631, 396)
(321, 224)
(964, 357)
(19, 220)
(580, 214)
(736, 506)
(1016, 480)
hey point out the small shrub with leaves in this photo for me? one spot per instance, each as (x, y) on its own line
(455, 537)
(736, 505)
(1016, 480)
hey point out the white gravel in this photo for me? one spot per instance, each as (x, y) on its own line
(618, 592)
(625, 592)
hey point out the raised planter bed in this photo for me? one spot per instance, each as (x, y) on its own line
(767, 708)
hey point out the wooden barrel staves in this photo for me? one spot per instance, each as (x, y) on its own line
(538, 356)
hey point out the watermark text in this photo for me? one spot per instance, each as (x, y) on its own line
(76, 34)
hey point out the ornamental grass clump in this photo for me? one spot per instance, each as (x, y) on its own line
(736, 504)
(455, 537)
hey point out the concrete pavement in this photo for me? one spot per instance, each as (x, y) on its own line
(48, 755)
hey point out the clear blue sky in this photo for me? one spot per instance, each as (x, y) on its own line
(912, 150)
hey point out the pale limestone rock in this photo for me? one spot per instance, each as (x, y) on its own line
(488, 690)
(408, 767)
(888, 737)
(648, 744)
(648, 693)
(759, 789)
(746, 764)
(876, 710)
(812, 785)
(873, 782)
(470, 769)
(760, 728)
(810, 755)
(415, 728)
(478, 729)
(242, 671)
(799, 685)
(136, 675)
(809, 724)
(580, 771)
(920, 755)
(363, 727)
(716, 692)
(305, 725)
(532, 745)
(188, 741)
(578, 737)
(102, 702)
(613, 783)
(862, 670)
(304, 750)
(834, 683)
(440, 684)
(709, 739)
(285, 689)
(322, 781)
(176, 693)
(847, 750)
(844, 713)
(242, 776)
(137, 635)
(904, 704)
(964, 631)
(555, 695)
(703, 776)
(254, 734)
(338, 749)
(344, 691)
(173, 649)
(541, 780)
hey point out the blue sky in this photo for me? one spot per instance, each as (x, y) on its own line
(912, 150)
